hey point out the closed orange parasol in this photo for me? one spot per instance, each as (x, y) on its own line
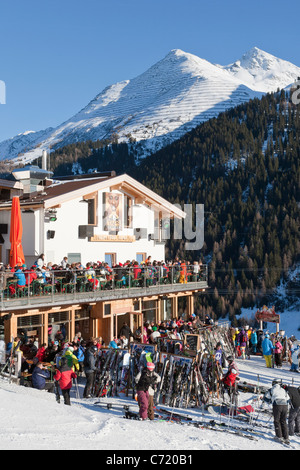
(16, 230)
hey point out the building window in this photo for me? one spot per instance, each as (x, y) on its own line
(107, 309)
(92, 200)
(91, 212)
(127, 211)
(74, 258)
(141, 257)
(110, 259)
(149, 310)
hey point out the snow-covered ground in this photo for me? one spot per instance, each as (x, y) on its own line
(32, 419)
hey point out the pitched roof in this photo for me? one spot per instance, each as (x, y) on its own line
(65, 190)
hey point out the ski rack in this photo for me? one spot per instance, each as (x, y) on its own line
(188, 378)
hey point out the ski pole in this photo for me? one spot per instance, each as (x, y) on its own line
(76, 388)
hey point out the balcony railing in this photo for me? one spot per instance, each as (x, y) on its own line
(65, 286)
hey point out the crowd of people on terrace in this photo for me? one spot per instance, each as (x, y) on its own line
(96, 275)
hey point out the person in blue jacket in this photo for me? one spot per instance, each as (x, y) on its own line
(39, 376)
(267, 347)
(79, 353)
(19, 274)
(253, 341)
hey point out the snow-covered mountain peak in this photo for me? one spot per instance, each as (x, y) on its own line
(160, 105)
(262, 71)
(256, 58)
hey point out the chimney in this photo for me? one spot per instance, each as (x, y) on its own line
(44, 160)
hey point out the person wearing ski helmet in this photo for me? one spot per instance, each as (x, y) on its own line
(145, 379)
(280, 400)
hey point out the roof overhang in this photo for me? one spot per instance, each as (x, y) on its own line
(126, 183)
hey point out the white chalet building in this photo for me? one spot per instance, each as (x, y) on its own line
(96, 217)
(88, 218)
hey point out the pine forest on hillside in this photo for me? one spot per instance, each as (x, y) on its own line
(244, 167)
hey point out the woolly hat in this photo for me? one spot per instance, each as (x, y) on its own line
(150, 366)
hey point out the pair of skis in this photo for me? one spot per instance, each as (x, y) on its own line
(176, 418)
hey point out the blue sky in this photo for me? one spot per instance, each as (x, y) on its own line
(55, 56)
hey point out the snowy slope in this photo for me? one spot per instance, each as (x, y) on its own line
(32, 420)
(162, 104)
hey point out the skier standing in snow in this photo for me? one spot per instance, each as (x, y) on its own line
(294, 413)
(89, 369)
(267, 347)
(278, 353)
(231, 377)
(151, 391)
(243, 341)
(295, 353)
(64, 376)
(79, 353)
(219, 354)
(280, 400)
(253, 341)
(145, 379)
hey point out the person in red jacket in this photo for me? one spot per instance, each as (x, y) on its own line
(41, 353)
(64, 376)
(231, 377)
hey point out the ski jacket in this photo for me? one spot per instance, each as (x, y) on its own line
(253, 338)
(19, 274)
(294, 395)
(39, 377)
(65, 376)
(89, 361)
(79, 354)
(278, 347)
(242, 339)
(72, 359)
(218, 356)
(144, 380)
(295, 356)
(156, 380)
(229, 379)
(267, 347)
(30, 276)
(277, 395)
(231, 366)
(41, 354)
(126, 331)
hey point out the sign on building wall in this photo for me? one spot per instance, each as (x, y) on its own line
(112, 212)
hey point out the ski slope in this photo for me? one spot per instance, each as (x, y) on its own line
(32, 420)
